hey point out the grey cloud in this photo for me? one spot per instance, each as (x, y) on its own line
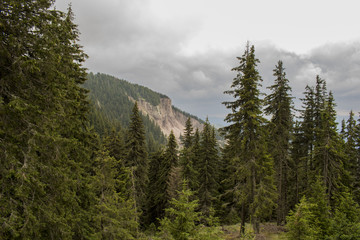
(123, 39)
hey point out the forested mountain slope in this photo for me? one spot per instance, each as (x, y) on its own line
(113, 99)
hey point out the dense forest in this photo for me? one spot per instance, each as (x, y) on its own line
(71, 171)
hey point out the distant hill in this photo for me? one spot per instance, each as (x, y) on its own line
(113, 99)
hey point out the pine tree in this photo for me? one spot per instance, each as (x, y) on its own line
(208, 174)
(329, 155)
(357, 166)
(279, 106)
(161, 167)
(321, 207)
(297, 167)
(345, 223)
(46, 150)
(350, 163)
(114, 143)
(156, 186)
(171, 170)
(246, 137)
(187, 157)
(188, 134)
(300, 222)
(307, 135)
(182, 216)
(115, 217)
(181, 222)
(136, 158)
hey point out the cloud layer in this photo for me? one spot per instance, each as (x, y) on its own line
(130, 42)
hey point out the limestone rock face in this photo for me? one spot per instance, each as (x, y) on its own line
(166, 117)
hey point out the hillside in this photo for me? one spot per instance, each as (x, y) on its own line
(113, 99)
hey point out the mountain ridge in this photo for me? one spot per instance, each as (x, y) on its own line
(114, 98)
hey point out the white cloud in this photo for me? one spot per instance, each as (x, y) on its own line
(187, 49)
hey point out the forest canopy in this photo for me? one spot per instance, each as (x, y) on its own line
(69, 171)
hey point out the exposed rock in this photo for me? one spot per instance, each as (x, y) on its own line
(166, 117)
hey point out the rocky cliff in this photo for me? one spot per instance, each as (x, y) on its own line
(166, 117)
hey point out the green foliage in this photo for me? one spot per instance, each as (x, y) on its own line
(320, 207)
(115, 218)
(247, 150)
(345, 223)
(163, 175)
(136, 158)
(182, 218)
(46, 150)
(279, 106)
(300, 222)
(112, 105)
(208, 174)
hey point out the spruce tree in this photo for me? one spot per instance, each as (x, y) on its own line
(162, 166)
(279, 106)
(187, 157)
(246, 137)
(307, 130)
(171, 170)
(329, 155)
(188, 134)
(208, 174)
(350, 163)
(46, 150)
(345, 223)
(300, 222)
(136, 158)
(116, 217)
(156, 185)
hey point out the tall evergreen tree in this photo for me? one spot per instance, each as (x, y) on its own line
(188, 134)
(171, 170)
(162, 165)
(208, 174)
(329, 155)
(115, 218)
(304, 144)
(279, 106)
(46, 150)
(246, 137)
(136, 158)
(187, 157)
(156, 186)
(115, 145)
(350, 163)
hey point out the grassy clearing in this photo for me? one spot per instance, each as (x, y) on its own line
(268, 231)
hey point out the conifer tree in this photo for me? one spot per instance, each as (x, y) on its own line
(298, 166)
(181, 221)
(136, 158)
(300, 222)
(46, 150)
(318, 197)
(196, 151)
(156, 186)
(246, 137)
(208, 174)
(187, 157)
(329, 155)
(115, 218)
(114, 143)
(162, 165)
(279, 105)
(171, 170)
(307, 131)
(188, 134)
(345, 223)
(350, 163)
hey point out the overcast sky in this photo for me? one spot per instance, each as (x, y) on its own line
(187, 48)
